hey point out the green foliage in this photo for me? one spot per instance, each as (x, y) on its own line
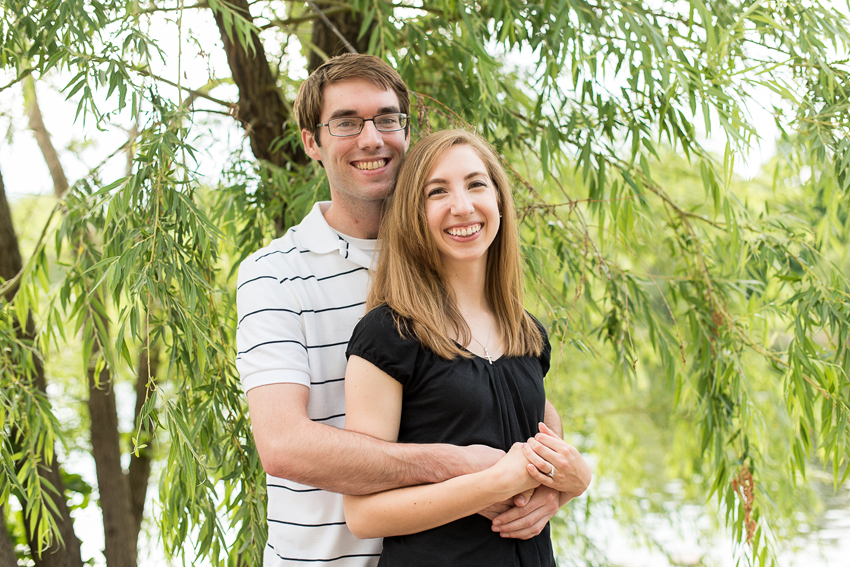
(715, 310)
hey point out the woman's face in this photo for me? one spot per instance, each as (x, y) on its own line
(462, 208)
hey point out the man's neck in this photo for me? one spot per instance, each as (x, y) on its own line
(361, 223)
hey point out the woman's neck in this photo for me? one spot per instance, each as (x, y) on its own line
(468, 288)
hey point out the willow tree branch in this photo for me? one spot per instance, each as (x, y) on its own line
(195, 93)
(332, 27)
(301, 19)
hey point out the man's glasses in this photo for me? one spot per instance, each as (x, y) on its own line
(353, 125)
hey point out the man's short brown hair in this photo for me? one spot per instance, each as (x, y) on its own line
(311, 96)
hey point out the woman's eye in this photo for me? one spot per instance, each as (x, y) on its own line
(437, 191)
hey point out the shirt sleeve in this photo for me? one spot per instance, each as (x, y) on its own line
(377, 339)
(270, 342)
(546, 354)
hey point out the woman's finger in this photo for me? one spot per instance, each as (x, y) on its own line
(552, 441)
(547, 430)
(549, 455)
(538, 476)
(538, 465)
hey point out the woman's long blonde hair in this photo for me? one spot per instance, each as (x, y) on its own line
(409, 274)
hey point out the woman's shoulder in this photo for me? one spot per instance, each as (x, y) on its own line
(378, 339)
(383, 316)
(539, 326)
(383, 323)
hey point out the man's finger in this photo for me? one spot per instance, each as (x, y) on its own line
(528, 525)
(523, 498)
(528, 521)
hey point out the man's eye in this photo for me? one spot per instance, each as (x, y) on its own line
(388, 121)
(345, 124)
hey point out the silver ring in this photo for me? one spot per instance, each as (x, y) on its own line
(551, 474)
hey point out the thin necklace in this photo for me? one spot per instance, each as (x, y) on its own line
(486, 352)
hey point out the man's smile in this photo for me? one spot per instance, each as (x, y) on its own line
(370, 164)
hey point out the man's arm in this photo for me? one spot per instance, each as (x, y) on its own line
(294, 447)
(552, 419)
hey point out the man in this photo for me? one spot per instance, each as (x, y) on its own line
(298, 301)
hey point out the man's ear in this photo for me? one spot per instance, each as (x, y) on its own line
(311, 146)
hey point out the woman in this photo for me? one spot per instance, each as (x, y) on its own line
(447, 354)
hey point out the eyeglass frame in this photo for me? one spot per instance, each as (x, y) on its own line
(402, 117)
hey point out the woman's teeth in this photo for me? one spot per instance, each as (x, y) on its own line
(465, 231)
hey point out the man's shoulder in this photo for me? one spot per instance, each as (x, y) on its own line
(272, 258)
(291, 250)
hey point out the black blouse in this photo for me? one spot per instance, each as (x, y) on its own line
(464, 401)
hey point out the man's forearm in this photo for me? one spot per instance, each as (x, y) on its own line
(352, 463)
(552, 419)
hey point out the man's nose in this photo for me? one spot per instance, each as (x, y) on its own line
(370, 137)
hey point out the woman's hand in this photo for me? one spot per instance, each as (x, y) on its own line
(555, 463)
(511, 473)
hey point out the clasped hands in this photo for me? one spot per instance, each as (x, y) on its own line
(540, 493)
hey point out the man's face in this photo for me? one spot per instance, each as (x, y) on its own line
(360, 168)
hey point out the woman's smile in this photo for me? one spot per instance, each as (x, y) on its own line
(465, 231)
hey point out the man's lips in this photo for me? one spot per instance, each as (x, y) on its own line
(369, 165)
(464, 230)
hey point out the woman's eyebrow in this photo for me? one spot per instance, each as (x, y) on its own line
(468, 177)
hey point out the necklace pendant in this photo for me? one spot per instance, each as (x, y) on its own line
(487, 355)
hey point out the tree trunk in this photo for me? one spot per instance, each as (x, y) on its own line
(42, 136)
(140, 467)
(112, 483)
(7, 548)
(113, 486)
(260, 108)
(56, 556)
(10, 253)
(348, 24)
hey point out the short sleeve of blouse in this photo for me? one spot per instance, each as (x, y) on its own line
(377, 339)
(546, 354)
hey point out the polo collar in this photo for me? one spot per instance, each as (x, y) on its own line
(315, 234)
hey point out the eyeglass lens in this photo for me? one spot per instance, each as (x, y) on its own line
(352, 125)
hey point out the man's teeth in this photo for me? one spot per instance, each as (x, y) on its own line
(371, 164)
(465, 231)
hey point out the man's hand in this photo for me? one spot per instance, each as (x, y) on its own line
(476, 458)
(521, 499)
(524, 522)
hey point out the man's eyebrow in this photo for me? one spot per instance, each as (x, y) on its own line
(344, 112)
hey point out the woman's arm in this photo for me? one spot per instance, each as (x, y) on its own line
(373, 407)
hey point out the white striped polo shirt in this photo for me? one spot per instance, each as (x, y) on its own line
(298, 300)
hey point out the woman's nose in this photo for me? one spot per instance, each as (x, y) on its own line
(461, 204)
